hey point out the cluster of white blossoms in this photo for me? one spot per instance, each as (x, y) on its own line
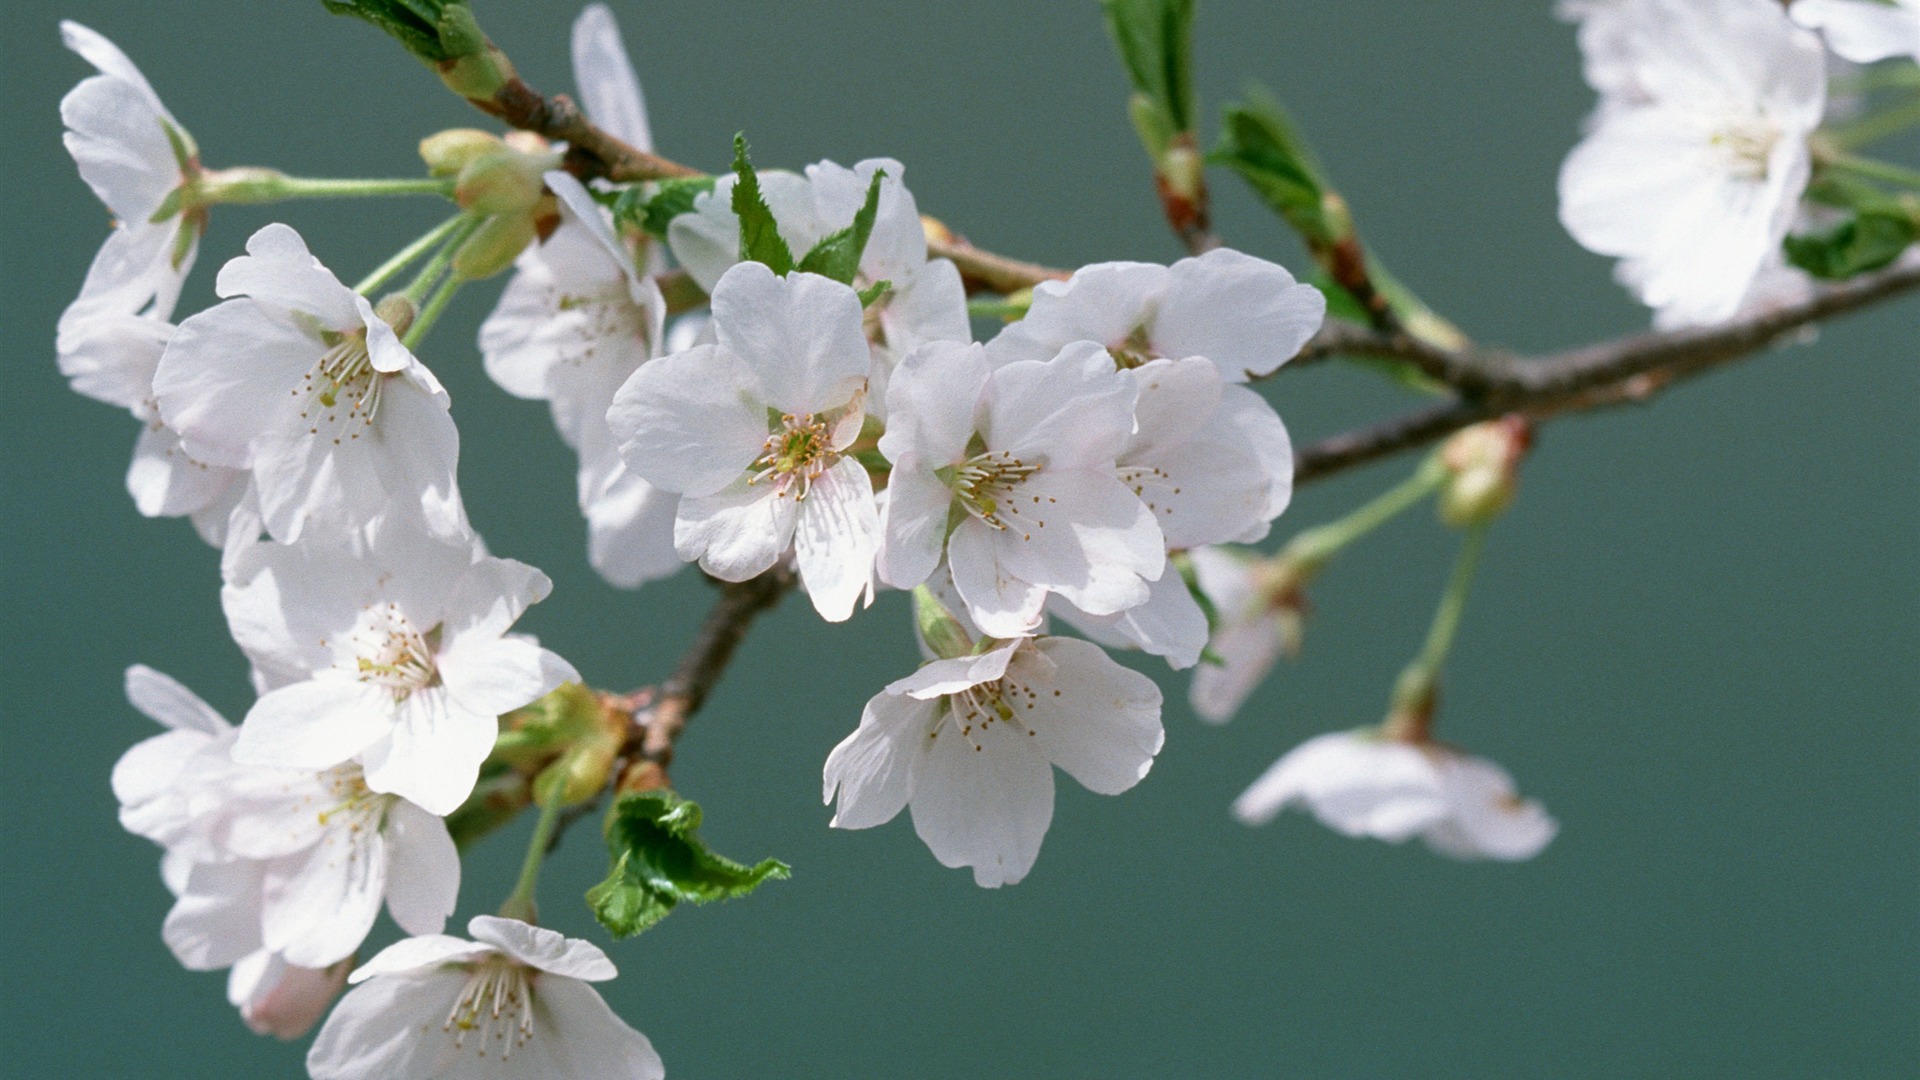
(831, 415)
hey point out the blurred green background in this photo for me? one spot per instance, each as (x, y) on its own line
(1694, 640)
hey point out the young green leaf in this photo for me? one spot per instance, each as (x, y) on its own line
(760, 239)
(659, 863)
(874, 292)
(414, 23)
(1868, 240)
(838, 255)
(1259, 142)
(1155, 38)
(653, 207)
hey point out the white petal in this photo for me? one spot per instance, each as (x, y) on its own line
(1083, 534)
(225, 378)
(609, 90)
(216, 921)
(984, 799)
(164, 700)
(119, 140)
(1247, 651)
(489, 597)
(835, 539)
(434, 752)
(284, 1000)
(737, 533)
(420, 954)
(930, 402)
(630, 532)
(165, 482)
(999, 603)
(111, 356)
(499, 675)
(423, 869)
(1170, 623)
(314, 724)
(279, 271)
(539, 947)
(1863, 32)
(320, 904)
(800, 335)
(392, 1027)
(586, 1039)
(1102, 303)
(1074, 411)
(690, 423)
(914, 529)
(1092, 717)
(1489, 820)
(929, 305)
(872, 769)
(104, 55)
(1354, 783)
(1247, 315)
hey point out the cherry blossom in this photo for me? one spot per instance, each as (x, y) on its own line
(1692, 175)
(1253, 630)
(298, 380)
(970, 744)
(281, 999)
(1361, 783)
(752, 433)
(396, 656)
(1013, 474)
(1213, 463)
(1864, 31)
(515, 1001)
(1246, 315)
(925, 301)
(575, 322)
(136, 157)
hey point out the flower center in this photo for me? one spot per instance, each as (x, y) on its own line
(984, 485)
(797, 451)
(390, 652)
(1746, 147)
(342, 390)
(1136, 350)
(496, 1002)
(979, 707)
(351, 803)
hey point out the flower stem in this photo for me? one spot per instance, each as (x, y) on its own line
(1883, 171)
(430, 311)
(404, 258)
(1876, 127)
(429, 276)
(1002, 307)
(1413, 694)
(1316, 545)
(520, 904)
(253, 185)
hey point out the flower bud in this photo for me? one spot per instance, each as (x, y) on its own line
(447, 152)
(936, 230)
(943, 634)
(397, 311)
(1483, 470)
(474, 68)
(503, 181)
(493, 246)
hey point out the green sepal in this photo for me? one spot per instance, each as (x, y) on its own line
(838, 255)
(760, 239)
(414, 23)
(1155, 38)
(874, 292)
(942, 632)
(659, 863)
(654, 207)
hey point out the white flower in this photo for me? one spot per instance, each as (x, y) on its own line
(1694, 177)
(576, 320)
(751, 433)
(1246, 315)
(1360, 783)
(291, 861)
(513, 1003)
(1021, 461)
(970, 744)
(1213, 463)
(1251, 633)
(299, 381)
(135, 156)
(1864, 31)
(111, 357)
(396, 656)
(926, 302)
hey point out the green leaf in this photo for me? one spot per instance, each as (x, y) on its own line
(654, 206)
(414, 23)
(1258, 141)
(874, 292)
(760, 239)
(1868, 240)
(1155, 38)
(658, 863)
(838, 255)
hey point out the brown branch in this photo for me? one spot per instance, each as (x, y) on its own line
(983, 270)
(1609, 373)
(662, 718)
(591, 150)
